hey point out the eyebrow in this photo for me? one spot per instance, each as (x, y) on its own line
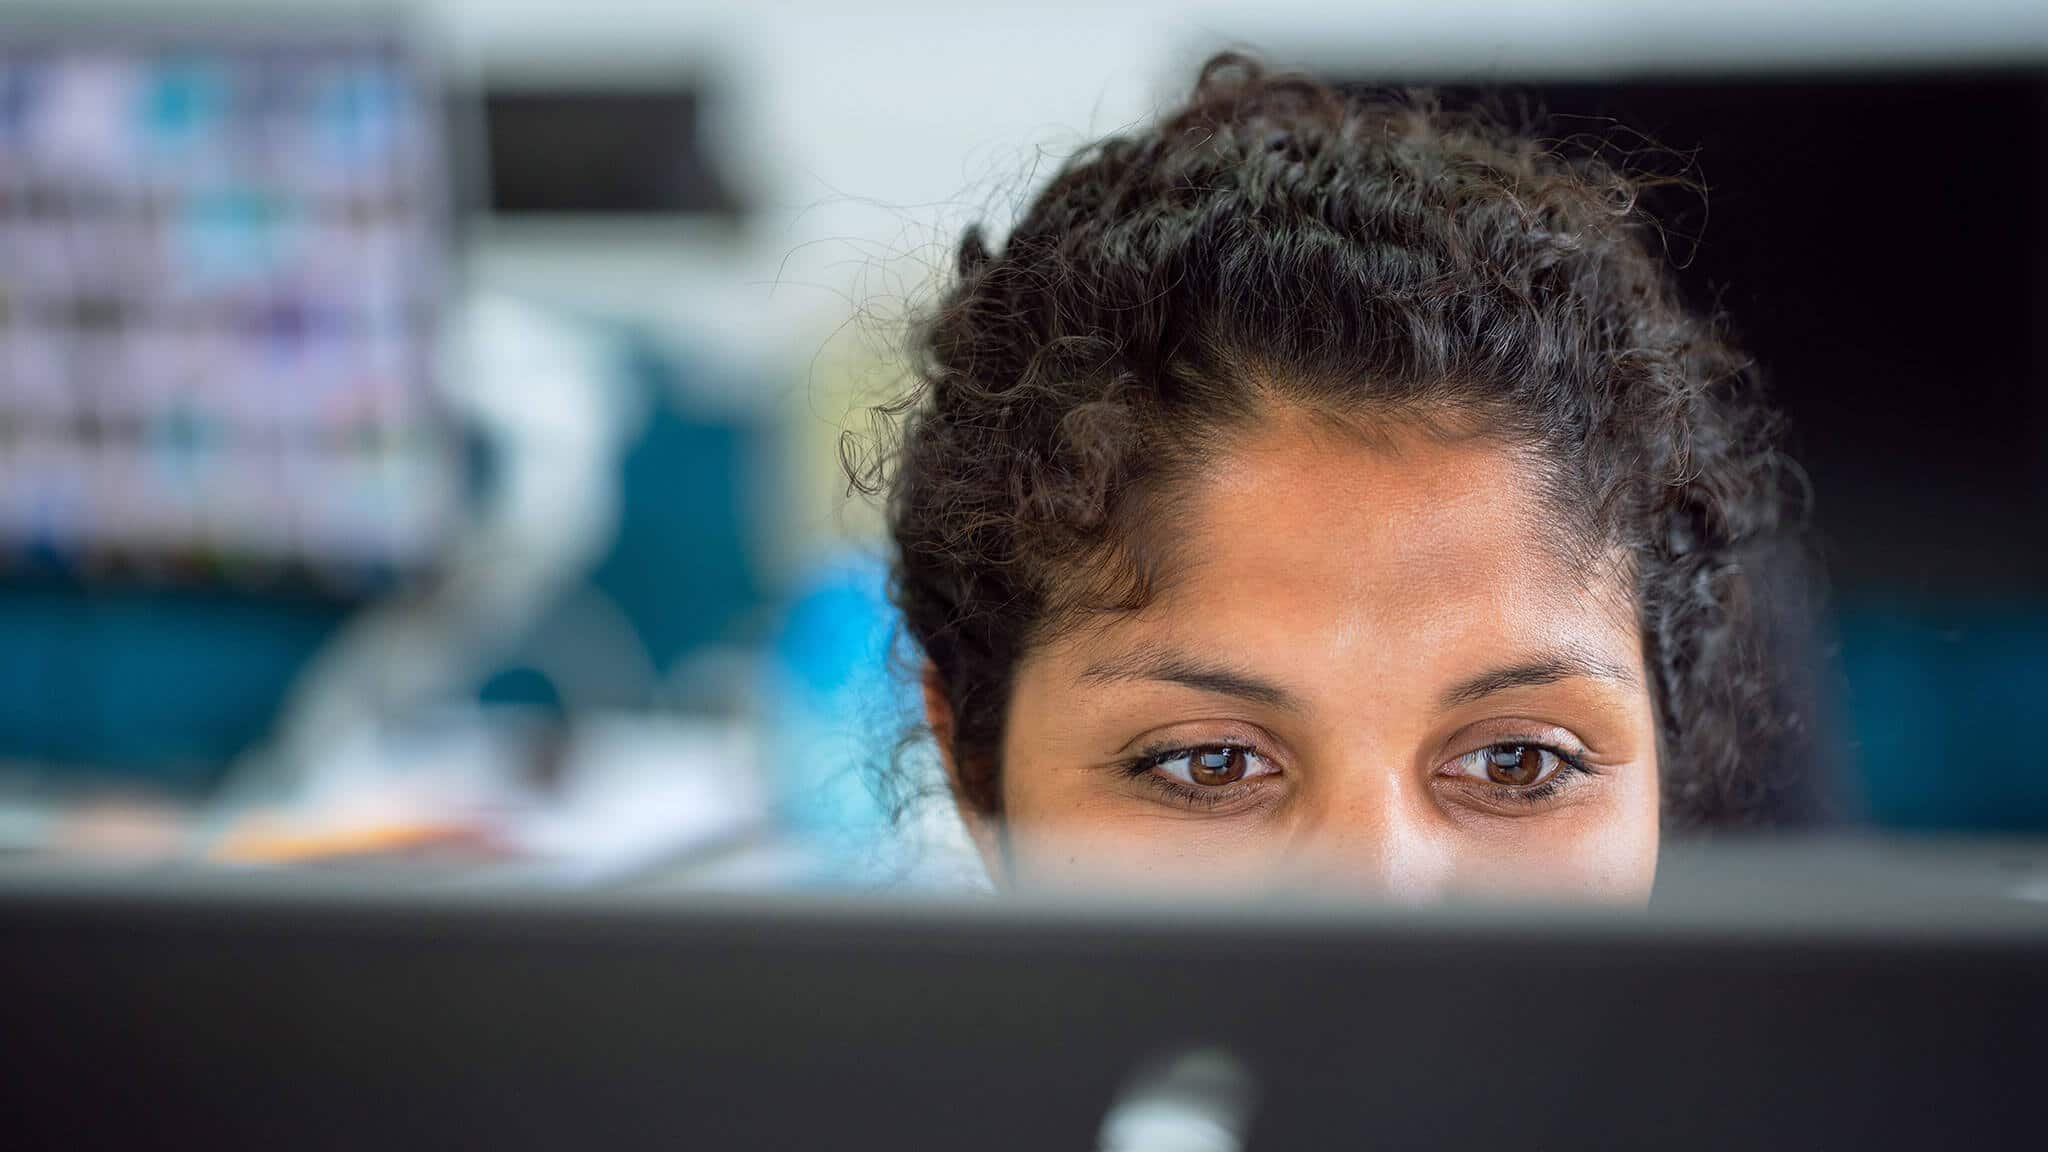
(1170, 667)
(1535, 671)
(1164, 665)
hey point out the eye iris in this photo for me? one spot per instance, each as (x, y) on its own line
(1516, 765)
(1217, 766)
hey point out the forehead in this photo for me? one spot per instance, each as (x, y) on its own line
(1406, 539)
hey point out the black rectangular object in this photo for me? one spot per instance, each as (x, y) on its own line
(636, 151)
(319, 1022)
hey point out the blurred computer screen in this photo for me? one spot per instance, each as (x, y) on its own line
(219, 268)
(223, 259)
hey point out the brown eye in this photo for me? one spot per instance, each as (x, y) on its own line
(1212, 767)
(1524, 771)
(1518, 765)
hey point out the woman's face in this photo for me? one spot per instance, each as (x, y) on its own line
(1379, 668)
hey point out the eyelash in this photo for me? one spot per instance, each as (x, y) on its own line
(1568, 766)
(1140, 767)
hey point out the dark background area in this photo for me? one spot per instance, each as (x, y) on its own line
(599, 151)
(1877, 241)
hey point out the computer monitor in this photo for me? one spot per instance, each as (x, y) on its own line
(221, 259)
(1744, 1012)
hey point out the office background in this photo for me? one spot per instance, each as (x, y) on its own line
(418, 429)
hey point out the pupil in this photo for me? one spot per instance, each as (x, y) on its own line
(1217, 766)
(1518, 765)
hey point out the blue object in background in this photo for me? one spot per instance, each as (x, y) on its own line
(165, 687)
(1945, 710)
(838, 712)
(358, 111)
(184, 101)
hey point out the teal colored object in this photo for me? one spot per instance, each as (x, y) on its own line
(682, 571)
(162, 687)
(690, 493)
(1946, 707)
(184, 101)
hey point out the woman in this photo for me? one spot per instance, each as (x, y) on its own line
(1319, 489)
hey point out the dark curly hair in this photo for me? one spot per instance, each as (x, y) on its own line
(1275, 240)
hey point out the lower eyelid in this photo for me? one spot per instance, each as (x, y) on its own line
(1566, 780)
(1534, 792)
(1199, 798)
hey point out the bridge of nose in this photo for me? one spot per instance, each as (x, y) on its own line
(1369, 823)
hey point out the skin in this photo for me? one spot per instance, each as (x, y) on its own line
(1368, 616)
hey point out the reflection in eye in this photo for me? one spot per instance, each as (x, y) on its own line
(1213, 766)
(1513, 765)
